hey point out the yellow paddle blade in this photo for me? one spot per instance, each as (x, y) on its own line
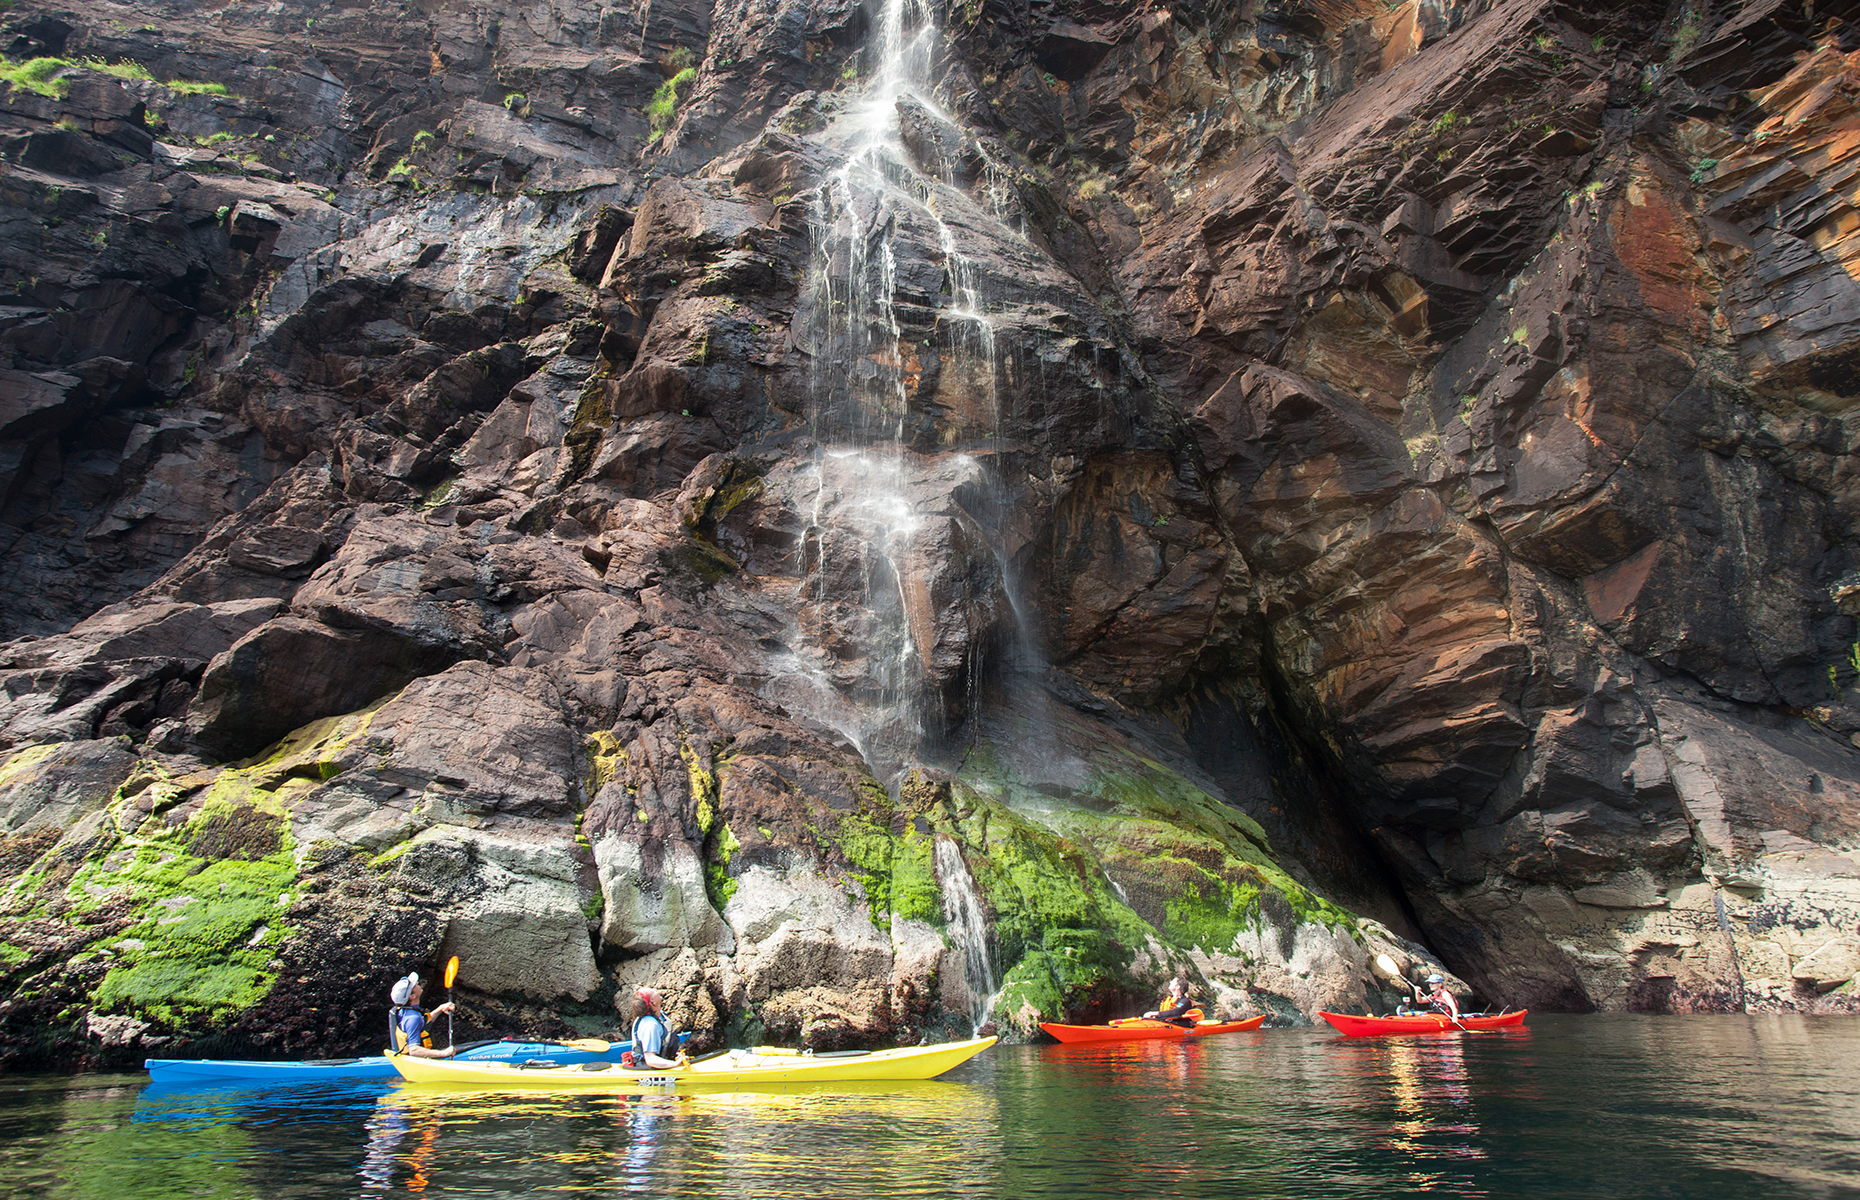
(591, 1045)
(1388, 966)
(452, 969)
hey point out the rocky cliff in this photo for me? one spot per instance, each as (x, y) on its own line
(882, 517)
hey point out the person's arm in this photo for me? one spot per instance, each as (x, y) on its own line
(415, 1049)
(1453, 1005)
(1169, 1014)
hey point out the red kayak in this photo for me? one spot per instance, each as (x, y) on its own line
(1141, 1029)
(1350, 1026)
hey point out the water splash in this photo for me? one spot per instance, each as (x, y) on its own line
(962, 909)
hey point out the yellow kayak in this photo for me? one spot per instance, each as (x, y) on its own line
(733, 1068)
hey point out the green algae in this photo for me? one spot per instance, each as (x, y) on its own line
(1194, 874)
(606, 758)
(703, 783)
(205, 934)
(719, 884)
(23, 760)
(199, 903)
(895, 870)
(1063, 937)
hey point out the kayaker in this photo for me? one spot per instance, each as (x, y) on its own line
(407, 1024)
(652, 1033)
(1175, 1007)
(1438, 998)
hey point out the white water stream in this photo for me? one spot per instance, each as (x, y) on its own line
(866, 594)
(885, 467)
(962, 909)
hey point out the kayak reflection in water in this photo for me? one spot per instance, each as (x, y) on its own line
(1438, 1000)
(1176, 1008)
(407, 1024)
(643, 1140)
(389, 1126)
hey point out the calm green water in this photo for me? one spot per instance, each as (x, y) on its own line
(1570, 1107)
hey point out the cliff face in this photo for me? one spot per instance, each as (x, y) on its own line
(876, 517)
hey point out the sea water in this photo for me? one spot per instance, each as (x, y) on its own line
(1601, 1106)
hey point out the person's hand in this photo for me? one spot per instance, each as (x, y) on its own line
(683, 1059)
(443, 1009)
(1149, 1016)
(451, 1050)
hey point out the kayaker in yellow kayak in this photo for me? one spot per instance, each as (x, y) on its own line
(652, 1033)
(1175, 1008)
(407, 1024)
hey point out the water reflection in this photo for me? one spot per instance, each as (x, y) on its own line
(1573, 1107)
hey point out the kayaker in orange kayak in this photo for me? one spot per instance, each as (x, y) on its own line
(1175, 1008)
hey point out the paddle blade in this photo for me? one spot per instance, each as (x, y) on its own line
(452, 969)
(1388, 966)
(591, 1045)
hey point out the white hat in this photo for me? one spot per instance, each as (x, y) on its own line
(403, 988)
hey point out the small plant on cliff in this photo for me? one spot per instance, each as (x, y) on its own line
(1686, 36)
(189, 87)
(39, 75)
(515, 101)
(122, 68)
(1446, 121)
(1698, 173)
(423, 141)
(665, 101)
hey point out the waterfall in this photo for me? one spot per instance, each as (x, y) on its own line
(871, 331)
(962, 908)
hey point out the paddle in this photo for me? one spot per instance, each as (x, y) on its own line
(591, 1045)
(452, 972)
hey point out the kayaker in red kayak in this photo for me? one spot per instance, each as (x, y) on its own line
(1438, 998)
(1176, 1006)
(407, 1024)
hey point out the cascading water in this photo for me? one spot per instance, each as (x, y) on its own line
(962, 909)
(871, 330)
(894, 302)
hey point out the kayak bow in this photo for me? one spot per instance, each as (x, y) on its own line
(1350, 1026)
(735, 1068)
(1140, 1029)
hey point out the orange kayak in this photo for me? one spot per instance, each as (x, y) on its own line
(1350, 1026)
(1141, 1029)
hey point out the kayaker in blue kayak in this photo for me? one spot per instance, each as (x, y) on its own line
(652, 1033)
(407, 1024)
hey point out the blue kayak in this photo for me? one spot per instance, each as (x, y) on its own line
(374, 1066)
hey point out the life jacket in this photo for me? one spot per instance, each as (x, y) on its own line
(1168, 1002)
(397, 1037)
(668, 1042)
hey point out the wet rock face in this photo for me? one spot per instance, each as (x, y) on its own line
(874, 534)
